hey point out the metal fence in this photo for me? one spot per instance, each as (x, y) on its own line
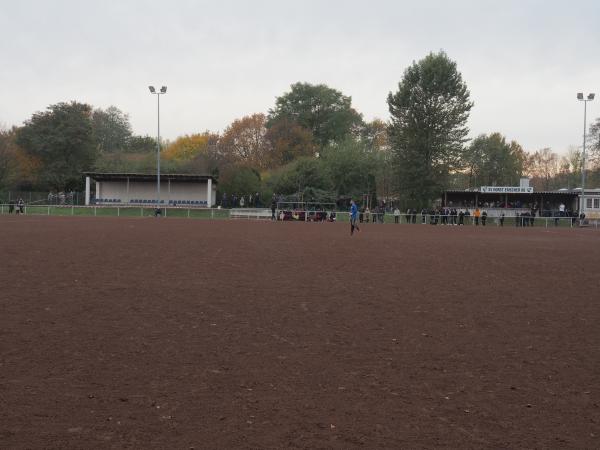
(297, 216)
(44, 198)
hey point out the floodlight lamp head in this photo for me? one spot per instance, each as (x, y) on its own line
(163, 90)
(152, 90)
(580, 96)
(591, 96)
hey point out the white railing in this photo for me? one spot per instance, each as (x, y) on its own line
(250, 213)
(306, 216)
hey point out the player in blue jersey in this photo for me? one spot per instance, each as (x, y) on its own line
(353, 217)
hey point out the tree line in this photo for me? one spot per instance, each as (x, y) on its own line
(312, 144)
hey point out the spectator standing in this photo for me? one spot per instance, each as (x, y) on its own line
(483, 218)
(396, 215)
(11, 206)
(21, 206)
(502, 219)
(477, 215)
(273, 209)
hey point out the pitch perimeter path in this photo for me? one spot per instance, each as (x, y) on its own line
(149, 333)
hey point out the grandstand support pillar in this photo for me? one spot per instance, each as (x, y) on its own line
(87, 191)
(209, 193)
(97, 190)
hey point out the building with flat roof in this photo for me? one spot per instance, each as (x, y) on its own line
(513, 201)
(140, 189)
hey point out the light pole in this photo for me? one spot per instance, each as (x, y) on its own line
(581, 98)
(163, 90)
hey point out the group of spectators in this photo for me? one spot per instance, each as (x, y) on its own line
(377, 215)
(241, 201)
(17, 207)
(445, 216)
(61, 198)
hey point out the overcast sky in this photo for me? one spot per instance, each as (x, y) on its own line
(523, 61)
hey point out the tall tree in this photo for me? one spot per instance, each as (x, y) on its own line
(239, 180)
(594, 149)
(351, 168)
(111, 128)
(8, 157)
(569, 174)
(302, 176)
(288, 141)
(245, 141)
(491, 161)
(61, 138)
(326, 112)
(141, 144)
(375, 135)
(428, 128)
(544, 168)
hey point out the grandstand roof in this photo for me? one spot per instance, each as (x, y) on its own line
(103, 176)
(478, 191)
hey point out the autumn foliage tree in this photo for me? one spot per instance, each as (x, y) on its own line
(288, 141)
(187, 147)
(245, 142)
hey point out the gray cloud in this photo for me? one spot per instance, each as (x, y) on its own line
(522, 60)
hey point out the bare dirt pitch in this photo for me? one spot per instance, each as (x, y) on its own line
(146, 333)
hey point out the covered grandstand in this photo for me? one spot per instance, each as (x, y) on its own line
(141, 189)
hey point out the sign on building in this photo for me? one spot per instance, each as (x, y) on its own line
(506, 189)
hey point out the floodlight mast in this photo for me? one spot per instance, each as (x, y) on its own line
(589, 98)
(163, 90)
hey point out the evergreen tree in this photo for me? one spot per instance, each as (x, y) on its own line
(428, 128)
(61, 138)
